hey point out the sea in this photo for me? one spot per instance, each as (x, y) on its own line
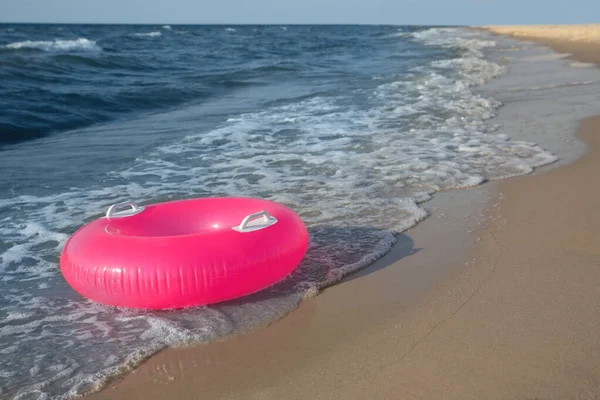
(353, 127)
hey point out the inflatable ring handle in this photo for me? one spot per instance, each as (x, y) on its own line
(113, 213)
(255, 222)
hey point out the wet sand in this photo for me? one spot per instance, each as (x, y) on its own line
(519, 320)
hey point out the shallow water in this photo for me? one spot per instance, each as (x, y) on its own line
(350, 126)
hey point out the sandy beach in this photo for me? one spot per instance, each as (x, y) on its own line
(578, 40)
(516, 317)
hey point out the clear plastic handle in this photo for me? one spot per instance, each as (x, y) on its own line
(113, 213)
(255, 222)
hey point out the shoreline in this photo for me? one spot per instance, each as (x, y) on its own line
(478, 330)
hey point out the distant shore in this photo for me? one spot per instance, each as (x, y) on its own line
(582, 41)
(573, 33)
(520, 320)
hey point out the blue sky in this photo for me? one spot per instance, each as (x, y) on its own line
(413, 12)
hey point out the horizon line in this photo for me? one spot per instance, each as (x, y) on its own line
(224, 23)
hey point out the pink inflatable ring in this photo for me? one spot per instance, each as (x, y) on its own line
(184, 253)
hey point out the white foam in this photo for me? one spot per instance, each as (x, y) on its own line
(148, 34)
(578, 64)
(230, 30)
(400, 33)
(18, 315)
(9, 349)
(81, 44)
(167, 27)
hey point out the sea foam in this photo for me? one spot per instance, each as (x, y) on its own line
(148, 34)
(81, 44)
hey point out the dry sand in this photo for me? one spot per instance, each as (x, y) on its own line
(522, 321)
(573, 33)
(582, 41)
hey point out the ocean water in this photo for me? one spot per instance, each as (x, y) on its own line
(351, 126)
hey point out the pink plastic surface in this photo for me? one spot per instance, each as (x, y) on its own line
(183, 253)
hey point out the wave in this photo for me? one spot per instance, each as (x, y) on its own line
(148, 34)
(472, 67)
(80, 44)
(167, 27)
(399, 34)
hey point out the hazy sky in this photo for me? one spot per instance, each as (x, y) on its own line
(447, 12)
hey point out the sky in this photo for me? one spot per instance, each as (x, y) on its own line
(396, 12)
